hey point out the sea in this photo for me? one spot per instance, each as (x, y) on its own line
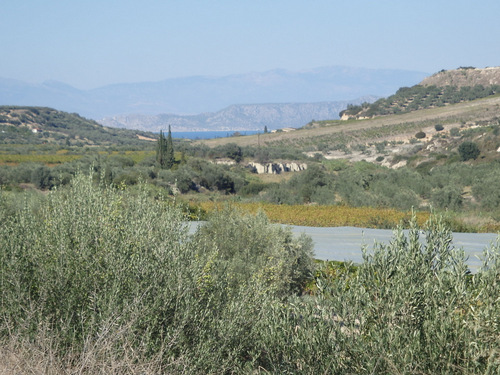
(212, 134)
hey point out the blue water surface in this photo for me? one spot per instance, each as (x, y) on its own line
(211, 134)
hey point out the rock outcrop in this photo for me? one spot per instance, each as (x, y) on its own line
(277, 168)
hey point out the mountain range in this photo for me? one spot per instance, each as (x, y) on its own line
(198, 95)
(237, 117)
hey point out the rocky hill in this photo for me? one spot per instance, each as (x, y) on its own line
(465, 76)
(237, 117)
(441, 89)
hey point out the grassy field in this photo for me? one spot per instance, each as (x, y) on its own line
(326, 216)
(60, 156)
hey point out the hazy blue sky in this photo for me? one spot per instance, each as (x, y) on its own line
(90, 43)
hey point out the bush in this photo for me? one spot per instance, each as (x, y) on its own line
(438, 127)
(112, 270)
(468, 150)
(420, 135)
(449, 197)
(97, 278)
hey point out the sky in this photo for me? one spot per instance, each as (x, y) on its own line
(92, 43)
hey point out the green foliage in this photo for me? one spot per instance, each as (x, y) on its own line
(417, 97)
(99, 275)
(103, 266)
(420, 135)
(248, 246)
(455, 132)
(165, 151)
(233, 151)
(468, 150)
(486, 190)
(449, 197)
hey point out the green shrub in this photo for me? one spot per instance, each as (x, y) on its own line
(468, 150)
(91, 266)
(449, 197)
(420, 135)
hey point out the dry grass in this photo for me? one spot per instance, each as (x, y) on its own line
(21, 357)
(277, 178)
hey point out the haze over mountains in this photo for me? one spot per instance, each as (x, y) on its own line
(201, 102)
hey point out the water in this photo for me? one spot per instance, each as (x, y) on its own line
(345, 243)
(211, 134)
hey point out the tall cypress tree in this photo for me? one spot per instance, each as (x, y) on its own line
(169, 152)
(161, 151)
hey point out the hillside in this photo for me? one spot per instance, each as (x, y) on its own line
(441, 89)
(467, 76)
(237, 117)
(391, 139)
(37, 125)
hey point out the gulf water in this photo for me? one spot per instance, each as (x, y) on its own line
(211, 134)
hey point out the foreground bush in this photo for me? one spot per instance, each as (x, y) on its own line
(98, 268)
(100, 280)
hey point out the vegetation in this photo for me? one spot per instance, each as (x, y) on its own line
(40, 125)
(100, 279)
(420, 135)
(327, 216)
(408, 99)
(98, 273)
(165, 151)
(468, 150)
(443, 183)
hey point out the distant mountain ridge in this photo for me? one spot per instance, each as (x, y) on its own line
(238, 117)
(199, 94)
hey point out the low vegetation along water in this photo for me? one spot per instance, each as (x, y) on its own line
(346, 243)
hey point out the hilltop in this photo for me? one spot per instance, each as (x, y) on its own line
(441, 89)
(465, 76)
(37, 125)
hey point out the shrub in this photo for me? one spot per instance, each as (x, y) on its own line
(110, 271)
(468, 150)
(438, 127)
(420, 135)
(449, 197)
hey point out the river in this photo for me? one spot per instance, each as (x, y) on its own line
(345, 243)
